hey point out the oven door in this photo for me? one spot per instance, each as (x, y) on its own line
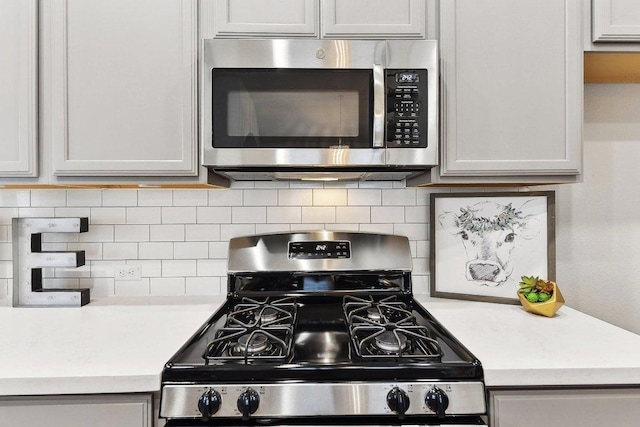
(338, 421)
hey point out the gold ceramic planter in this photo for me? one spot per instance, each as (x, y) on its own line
(547, 308)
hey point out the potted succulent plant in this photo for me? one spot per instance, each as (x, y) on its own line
(540, 296)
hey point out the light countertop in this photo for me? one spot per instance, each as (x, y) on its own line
(120, 345)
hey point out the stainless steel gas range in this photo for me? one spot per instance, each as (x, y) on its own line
(321, 328)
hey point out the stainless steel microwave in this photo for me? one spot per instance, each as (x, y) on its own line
(319, 109)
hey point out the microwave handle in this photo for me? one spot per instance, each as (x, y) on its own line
(378, 106)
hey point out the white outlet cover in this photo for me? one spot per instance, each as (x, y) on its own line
(127, 272)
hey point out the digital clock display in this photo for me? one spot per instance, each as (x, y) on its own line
(407, 78)
(319, 250)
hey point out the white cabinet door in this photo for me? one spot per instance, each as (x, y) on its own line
(119, 87)
(564, 408)
(132, 410)
(18, 88)
(616, 20)
(262, 18)
(374, 18)
(512, 87)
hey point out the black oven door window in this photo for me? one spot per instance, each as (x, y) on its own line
(292, 108)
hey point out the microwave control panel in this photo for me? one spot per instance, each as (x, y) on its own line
(406, 108)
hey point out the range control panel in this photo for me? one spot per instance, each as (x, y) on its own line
(406, 108)
(319, 249)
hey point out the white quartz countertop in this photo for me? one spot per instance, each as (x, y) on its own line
(120, 345)
(110, 345)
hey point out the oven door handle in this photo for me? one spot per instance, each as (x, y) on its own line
(378, 106)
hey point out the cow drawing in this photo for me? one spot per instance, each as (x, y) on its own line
(489, 232)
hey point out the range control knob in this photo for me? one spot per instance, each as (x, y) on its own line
(398, 401)
(437, 401)
(209, 403)
(248, 402)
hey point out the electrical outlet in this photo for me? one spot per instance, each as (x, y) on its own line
(128, 272)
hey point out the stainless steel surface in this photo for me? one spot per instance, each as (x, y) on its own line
(369, 252)
(29, 259)
(322, 54)
(319, 399)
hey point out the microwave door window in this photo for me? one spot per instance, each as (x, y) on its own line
(292, 108)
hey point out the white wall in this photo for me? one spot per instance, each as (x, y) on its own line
(598, 220)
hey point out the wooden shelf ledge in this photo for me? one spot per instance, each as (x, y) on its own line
(611, 67)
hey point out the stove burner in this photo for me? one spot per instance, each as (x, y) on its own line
(252, 344)
(391, 342)
(374, 314)
(269, 314)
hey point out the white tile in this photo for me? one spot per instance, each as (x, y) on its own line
(178, 268)
(330, 197)
(178, 215)
(4, 288)
(212, 267)
(353, 214)
(98, 233)
(295, 197)
(131, 233)
(364, 197)
(399, 184)
(242, 184)
(83, 271)
(4, 233)
(228, 197)
(190, 197)
(148, 268)
(423, 197)
(313, 214)
(283, 215)
(48, 198)
(375, 184)
(305, 184)
(272, 228)
(190, 250)
(6, 269)
(260, 197)
(248, 215)
(399, 197)
(130, 288)
(416, 214)
(218, 250)
(167, 233)
(84, 198)
(6, 214)
(342, 227)
(64, 283)
(102, 268)
(271, 184)
(420, 266)
(60, 237)
(203, 286)
(387, 214)
(155, 250)
(144, 215)
(340, 184)
(202, 232)
(6, 252)
(412, 231)
(15, 198)
(122, 251)
(423, 249)
(155, 197)
(120, 197)
(92, 251)
(420, 284)
(99, 287)
(162, 286)
(377, 228)
(306, 227)
(214, 215)
(35, 213)
(108, 216)
(227, 231)
(72, 212)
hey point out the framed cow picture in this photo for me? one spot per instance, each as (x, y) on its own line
(483, 243)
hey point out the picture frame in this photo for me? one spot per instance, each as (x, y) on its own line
(483, 243)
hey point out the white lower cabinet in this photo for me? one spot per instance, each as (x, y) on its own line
(559, 407)
(133, 410)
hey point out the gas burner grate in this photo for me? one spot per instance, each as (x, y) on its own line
(255, 331)
(386, 328)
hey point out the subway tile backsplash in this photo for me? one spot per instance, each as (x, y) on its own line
(179, 238)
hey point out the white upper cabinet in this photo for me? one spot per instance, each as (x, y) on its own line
(512, 89)
(18, 88)
(119, 87)
(373, 18)
(316, 18)
(263, 18)
(615, 20)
